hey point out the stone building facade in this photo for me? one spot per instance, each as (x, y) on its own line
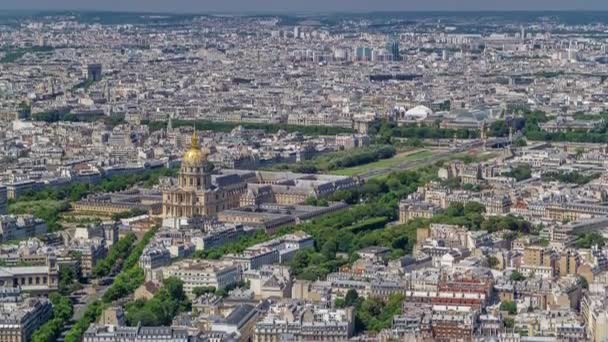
(195, 195)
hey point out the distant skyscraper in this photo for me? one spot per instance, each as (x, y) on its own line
(392, 46)
(363, 54)
(94, 72)
(296, 32)
(340, 54)
(523, 33)
(572, 55)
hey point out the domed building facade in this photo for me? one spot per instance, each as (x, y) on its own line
(195, 194)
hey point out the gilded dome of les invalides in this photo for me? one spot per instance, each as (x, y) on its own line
(195, 156)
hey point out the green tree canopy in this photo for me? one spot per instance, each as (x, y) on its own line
(509, 306)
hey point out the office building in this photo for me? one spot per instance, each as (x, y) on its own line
(35, 279)
(304, 322)
(110, 333)
(392, 46)
(19, 317)
(18, 227)
(203, 273)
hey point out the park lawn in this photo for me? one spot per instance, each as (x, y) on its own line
(49, 210)
(476, 157)
(485, 156)
(385, 163)
(31, 207)
(472, 158)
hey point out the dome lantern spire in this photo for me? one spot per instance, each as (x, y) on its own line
(194, 140)
(195, 156)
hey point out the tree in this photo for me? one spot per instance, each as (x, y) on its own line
(125, 283)
(90, 315)
(587, 240)
(400, 243)
(520, 172)
(509, 306)
(351, 297)
(299, 261)
(517, 276)
(508, 222)
(62, 312)
(471, 187)
(221, 292)
(455, 209)
(372, 307)
(341, 159)
(311, 200)
(116, 255)
(128, 214)
(160, 309)
(62, 306)
(493, 261)
(474, 208)
(175, 288)
(67, 276)
(322, 202)
(143, 316)
(202, 290)
(569, 177)
(329, 249)
(77, 191)
(375, 314)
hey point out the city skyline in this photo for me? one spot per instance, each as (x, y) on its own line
(192, 6)
(198, 171)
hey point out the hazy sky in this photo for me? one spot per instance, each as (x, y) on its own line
(302, 5)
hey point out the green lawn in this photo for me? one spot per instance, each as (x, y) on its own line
(385, 163)
(48, 210)
(421, 155)
(474, 158)
(31, 207)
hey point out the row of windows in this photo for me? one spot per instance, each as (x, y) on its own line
(191, 182)
(30, 281)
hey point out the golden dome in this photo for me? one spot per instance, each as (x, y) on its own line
(195, 156)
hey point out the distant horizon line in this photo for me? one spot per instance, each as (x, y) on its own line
(297, 12)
